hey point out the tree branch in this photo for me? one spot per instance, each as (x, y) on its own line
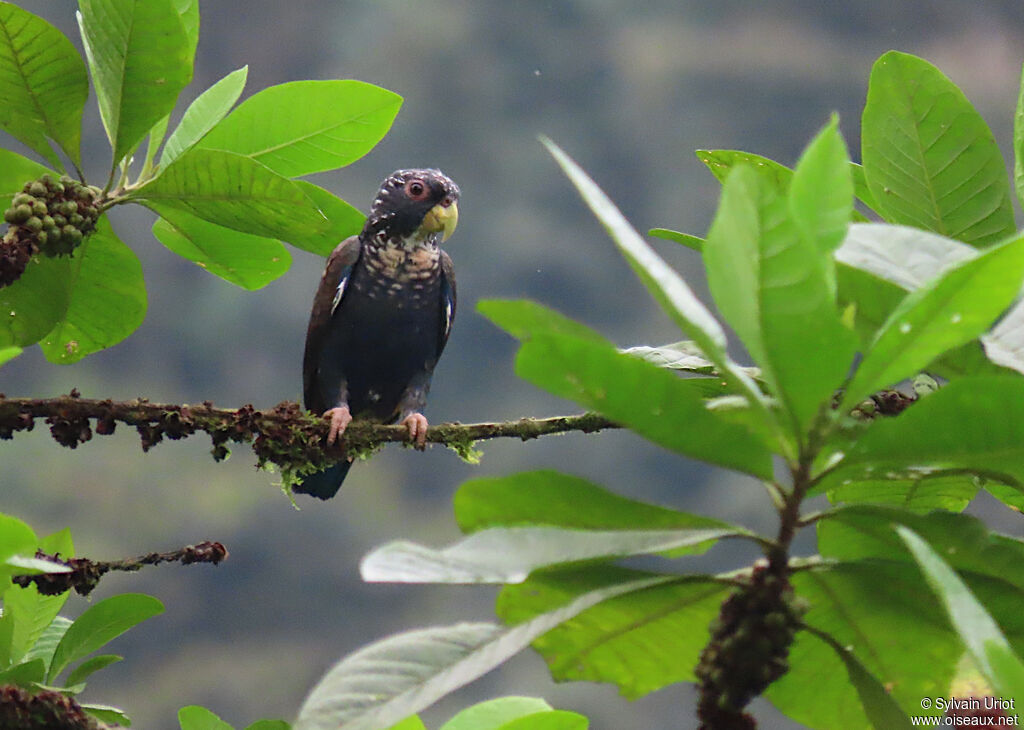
(285, 435)
(85, 574)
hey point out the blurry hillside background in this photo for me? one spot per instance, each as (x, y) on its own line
(628, 89)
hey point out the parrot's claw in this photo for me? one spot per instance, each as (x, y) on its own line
(417, 425)
(340, 418)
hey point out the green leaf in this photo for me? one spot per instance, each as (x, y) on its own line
(947, 312)
(203, 114)
(878, 704)
(921, 495)
(243, 259)
(650, 400)
(874, 610)
(641, 641)
(551, 498)
(930, 438)
(907, 257)
(233, 191)
(90, 666)
(412, 722)
(391, 679)
(340, 122)
(977, 629)
(550, 720)
(342, 221)
(25, 674)
(685, 356)
(188, 11)
(821, 192)
(1008, 669)
(690, 241)
(48, 641)
(1018, 142)
(30, 613)
(16, 538)
(861, 532)
(511, 554)
(195, 717)
(282, 725)
(140, 57)
(929, 158)
(101, 623)
(107, 298)
(777, 292)
(9, 353)
(722, 162)
(44, 84)
(35, 303)
(16, 170)
(667, 287)
(526, 320)
(494, 714)
(107, 714)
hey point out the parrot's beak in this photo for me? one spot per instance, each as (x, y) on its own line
(441, 219)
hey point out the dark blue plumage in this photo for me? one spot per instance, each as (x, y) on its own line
(382, 314)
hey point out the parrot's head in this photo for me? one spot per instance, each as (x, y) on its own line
(414, 206)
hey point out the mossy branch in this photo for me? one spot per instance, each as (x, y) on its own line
(285, 435)
(84, 574)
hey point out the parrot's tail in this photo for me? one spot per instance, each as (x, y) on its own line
(324, 484)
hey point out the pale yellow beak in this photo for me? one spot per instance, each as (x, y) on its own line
(440, 219)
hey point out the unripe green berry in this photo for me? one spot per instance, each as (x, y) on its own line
(37, 189)
(76, 220)
(42, 237)
(23, 199)
(59, 220)
(39, 208)
(48, 222)
(22, 213)
(68, 207)
(69, 231)
(33, 224)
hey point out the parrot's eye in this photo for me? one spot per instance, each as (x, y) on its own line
(415, 189)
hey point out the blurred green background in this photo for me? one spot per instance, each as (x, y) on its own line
(628, 89)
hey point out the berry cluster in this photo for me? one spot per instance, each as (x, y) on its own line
(749, 645)
(48, 216)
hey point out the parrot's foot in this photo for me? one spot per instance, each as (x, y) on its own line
(340, 418)
(417, 425)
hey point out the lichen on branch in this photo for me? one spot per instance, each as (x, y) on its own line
(286, 436)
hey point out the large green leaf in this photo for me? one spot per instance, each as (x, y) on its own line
(861, 532)
(875, 699)
(107, 298)
(821, 192)
(494, 714)
(99, 624)
(721, 163)
(9, 353)
(949, 311)
(203, 114)
(510, 554)
(233, 191)
(43, 84)
(652, 401)
(776, 288)
(340, 121)
(641, 641)
(923, 494)
(36, 302)
(30, 613)
(975, 626)
(343, 221)
(668, 288)
(195, 717)
(972, 424)
(549, 497)
(243, 259)
(1018, 143)
(929, 158)
(873, 609)
(140, 56)
(391, 679)
(15, 171)
(550, 720)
